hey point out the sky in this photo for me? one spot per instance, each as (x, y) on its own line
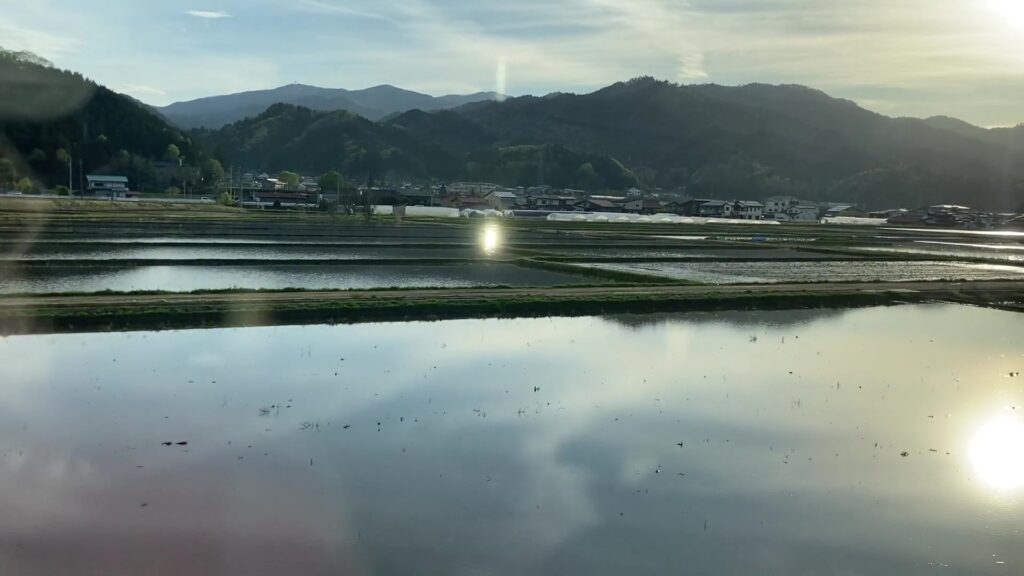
(962, 58)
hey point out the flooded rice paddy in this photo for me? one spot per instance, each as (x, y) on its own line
(115, 251)
(848, 271)
(871, 441)
(50, 280)
(1007, 252)
(690, 252)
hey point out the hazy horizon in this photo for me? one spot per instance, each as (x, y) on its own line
(964, 59)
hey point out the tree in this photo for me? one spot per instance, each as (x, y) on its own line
(63, 157)
(332, 182)
(63, 191)
(37, 157)
(225, 199)
(587, 178)
(26, 186)
(8, 173)
(211, 172)
(290, 179)
(172, 154)
(173, 191)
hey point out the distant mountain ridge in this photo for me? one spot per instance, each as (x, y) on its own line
(728, 142)
(374, 103)
(750, 141)
(1007, 136)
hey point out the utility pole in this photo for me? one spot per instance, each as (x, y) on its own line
(71, 176)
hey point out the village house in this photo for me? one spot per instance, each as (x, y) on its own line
(257, 198)
(643, 206)
(715, 209)
(844, 210)
(748, 210)
(594, 204)
(775, 205)
(803, 213)
(552, 202)
(265, 182)
(692, 206)
(502, 199)
(107, 186)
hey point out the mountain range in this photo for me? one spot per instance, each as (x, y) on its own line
(749, 141)
(371, 103)
(714, 141)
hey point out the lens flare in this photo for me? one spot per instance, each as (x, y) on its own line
(997, 453)
(490, 239)
(501, 78)
(1011, 11)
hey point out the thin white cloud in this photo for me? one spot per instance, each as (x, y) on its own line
(141, 90)
(323, 7)
(208, 14)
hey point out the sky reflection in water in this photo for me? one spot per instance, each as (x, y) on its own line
(857, 442)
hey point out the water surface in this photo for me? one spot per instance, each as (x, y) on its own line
(226, 252)
(874, 441)
(277, 276)
(829, 271)
(1007, 252)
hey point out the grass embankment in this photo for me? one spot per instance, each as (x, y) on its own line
(23, 266)
(611, 275)
(41, 315)
(84, 208)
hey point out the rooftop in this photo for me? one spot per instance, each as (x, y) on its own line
(602, 203)
(102, 178)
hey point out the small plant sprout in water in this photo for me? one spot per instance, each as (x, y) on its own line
(490, 239)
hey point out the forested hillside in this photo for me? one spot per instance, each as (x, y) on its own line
(760, 140)
(50, 117)
(415, 145)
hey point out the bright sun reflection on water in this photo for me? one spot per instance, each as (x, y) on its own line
(490, 239)
(997, 453)
(1011, 11)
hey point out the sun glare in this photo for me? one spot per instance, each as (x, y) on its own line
(1011, 11)
(997, 453)
(490, 240)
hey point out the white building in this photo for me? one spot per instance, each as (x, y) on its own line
(779, 204)
(748, 210)
(501, 199)
(798, 213)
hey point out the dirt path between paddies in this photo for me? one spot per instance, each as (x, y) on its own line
(1008, 289)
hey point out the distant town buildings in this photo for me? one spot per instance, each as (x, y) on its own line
(263, 190)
